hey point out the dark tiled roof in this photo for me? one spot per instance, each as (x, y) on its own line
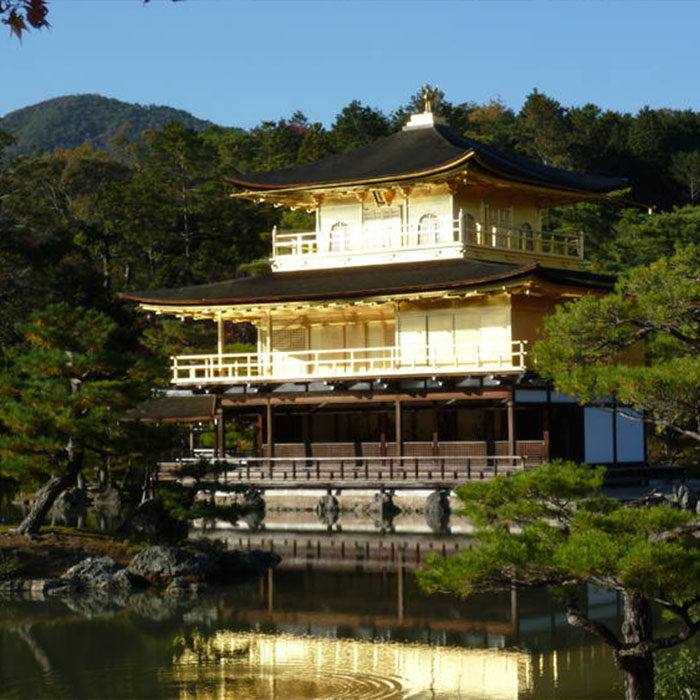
(419, 151)
(371, 280)
(167, 409)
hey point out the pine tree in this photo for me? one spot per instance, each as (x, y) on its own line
(551, 527)
(61, 399)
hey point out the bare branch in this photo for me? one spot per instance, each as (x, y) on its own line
(576, 618)
(691, 528)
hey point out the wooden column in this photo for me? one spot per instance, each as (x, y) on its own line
(546, 429)
(400, 598)
(191, 439)
(514, 611)
(382, 434)
(270, 452)
(260, 433)
(510, 407)
(270, 589)
(399, 428)
(220, 437)
(219, 334)
(306, 428)
(436, 436)
(490, 417)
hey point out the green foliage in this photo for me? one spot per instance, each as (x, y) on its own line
(685, 168)
(193, 496)
(551, 488)
(490, 123)
(170, 336)
(642, 238)
(544, 128)
(73, 120)
(586, 344)
(561, 532)
(357, 125)
(297, 220)
(551, 525)
(678, 675)
(63, 393)
(10, 565)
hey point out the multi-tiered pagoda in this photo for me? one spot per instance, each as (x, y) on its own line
(403, 323)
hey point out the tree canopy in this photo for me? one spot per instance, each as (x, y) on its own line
(640, 345)
(61, 398)
(551, 526)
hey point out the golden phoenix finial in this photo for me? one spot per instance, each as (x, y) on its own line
(430, 95)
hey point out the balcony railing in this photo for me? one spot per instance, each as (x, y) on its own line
(347, 362)
(443, 232)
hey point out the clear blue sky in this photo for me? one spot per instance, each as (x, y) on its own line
(238, 62)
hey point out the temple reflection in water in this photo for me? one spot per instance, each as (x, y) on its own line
(342, 616)
(356, 667)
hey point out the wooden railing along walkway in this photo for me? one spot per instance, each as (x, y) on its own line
(353, 472)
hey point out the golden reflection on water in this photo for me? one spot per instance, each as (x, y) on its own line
(256, 665)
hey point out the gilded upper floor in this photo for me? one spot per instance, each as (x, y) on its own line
(442, 318)
(424, 193)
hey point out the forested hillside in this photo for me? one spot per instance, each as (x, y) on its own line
(74, 120)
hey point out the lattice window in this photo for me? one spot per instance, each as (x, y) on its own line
(428, 229)
(340, 237)
(288, 339)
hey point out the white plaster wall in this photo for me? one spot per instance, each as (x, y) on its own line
(598, 435)
(630, 438)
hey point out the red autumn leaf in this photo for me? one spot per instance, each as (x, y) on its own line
(35, 12)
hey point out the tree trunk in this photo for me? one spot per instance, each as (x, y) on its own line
(633, 659)
(48, 493)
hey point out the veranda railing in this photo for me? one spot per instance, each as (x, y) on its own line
(347, 362)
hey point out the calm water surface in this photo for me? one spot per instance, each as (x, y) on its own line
(342, 617)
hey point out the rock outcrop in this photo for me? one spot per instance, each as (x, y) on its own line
(160, 565)
(171, 569)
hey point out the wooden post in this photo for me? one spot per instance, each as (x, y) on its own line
(546, 440)
(436, 437)
(219, 334)
(268, 349)
(489, 425)
(399, 428)
(510, 407)
(514, 611)
(270, 451)
(400, 599)
(260, 433)
(382, 434)
(220, 449)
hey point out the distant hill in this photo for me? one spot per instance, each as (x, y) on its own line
(72, 120)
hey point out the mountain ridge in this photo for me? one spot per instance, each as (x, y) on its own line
(69, 121)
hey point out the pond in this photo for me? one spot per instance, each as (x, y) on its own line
(341, 617)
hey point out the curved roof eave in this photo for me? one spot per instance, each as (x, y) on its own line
(283, 189)
(419, 153)
(445, 168)
(285, 287)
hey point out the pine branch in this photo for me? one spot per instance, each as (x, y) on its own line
(576, 618)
